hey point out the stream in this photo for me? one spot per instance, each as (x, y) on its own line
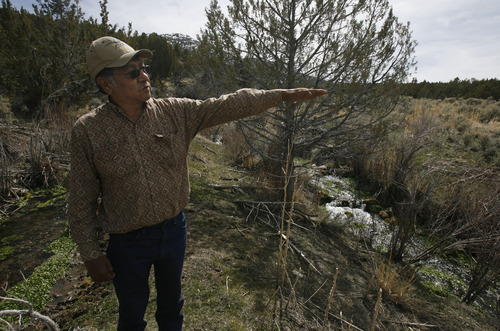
(24, 237)
(348, 210)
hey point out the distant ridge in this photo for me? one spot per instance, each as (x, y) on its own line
(182, 40)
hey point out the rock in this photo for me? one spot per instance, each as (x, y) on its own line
(370, 202)
(323, 197)
(374, 209)
(383, 214)
(345, 203)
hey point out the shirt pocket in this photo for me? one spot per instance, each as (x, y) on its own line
(116, 159)
(166, 148)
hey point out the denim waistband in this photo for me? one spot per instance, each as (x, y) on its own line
(157, 226)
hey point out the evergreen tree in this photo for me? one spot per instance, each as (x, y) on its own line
(467, 88)
(164, 59)
(43, 54)
(104, 16)
(357, 50)
(61, 49)
(216, 55)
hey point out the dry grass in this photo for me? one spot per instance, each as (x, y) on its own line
(393, 281)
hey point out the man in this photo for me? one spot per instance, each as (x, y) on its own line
(129, 176)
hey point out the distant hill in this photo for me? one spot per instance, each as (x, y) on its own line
(182, 40)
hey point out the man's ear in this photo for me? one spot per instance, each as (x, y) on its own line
(105, 84)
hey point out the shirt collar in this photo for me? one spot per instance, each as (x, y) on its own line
(117, 109)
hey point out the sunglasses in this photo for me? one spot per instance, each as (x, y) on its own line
(133, 74)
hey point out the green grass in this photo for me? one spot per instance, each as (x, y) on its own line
(53, 197)
(6, 251)
(36, 289)
(446, 284)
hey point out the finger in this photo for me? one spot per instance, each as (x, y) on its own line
(111, 274)
(104, 277)
(317, 92)
(301, 94)
(109, 266)
(309, 94)
(109, 270)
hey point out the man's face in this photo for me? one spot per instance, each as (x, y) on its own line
(128, 89)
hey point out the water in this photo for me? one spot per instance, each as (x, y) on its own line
(29, 232)
(348, 210)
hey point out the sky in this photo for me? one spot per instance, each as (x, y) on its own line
(456, 38)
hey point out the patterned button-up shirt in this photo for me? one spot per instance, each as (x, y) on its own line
(127, 175)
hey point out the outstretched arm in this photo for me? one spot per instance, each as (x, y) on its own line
(301, 94)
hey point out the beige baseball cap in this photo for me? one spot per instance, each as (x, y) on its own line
(109, 52)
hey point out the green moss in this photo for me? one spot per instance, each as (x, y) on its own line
(56, 197)
(358, 225)
(331, 185)
(435, 289)
(8, 248)
(6, 251)
(442, 284)
(375, 209)
(36, 289)
(55, 202)
(460, 257)
(302, 162)
(434, 272)
(52, 196)
(51, 191)
(23, 201)
(63, 246)
(11, 239)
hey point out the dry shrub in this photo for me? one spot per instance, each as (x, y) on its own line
(397, 175)
(6, 115)
(49, 146)
(490, 112)
(237, 147)
(57, 130)
(390, 168)
(462, 124)
(43, 169)
(475, 209)
(394, 281)
(5, 178)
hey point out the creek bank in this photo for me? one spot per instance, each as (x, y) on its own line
(28, 232)
(372, 224)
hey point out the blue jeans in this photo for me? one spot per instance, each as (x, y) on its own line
(132, 254)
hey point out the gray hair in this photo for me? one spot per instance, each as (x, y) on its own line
(108, 74)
